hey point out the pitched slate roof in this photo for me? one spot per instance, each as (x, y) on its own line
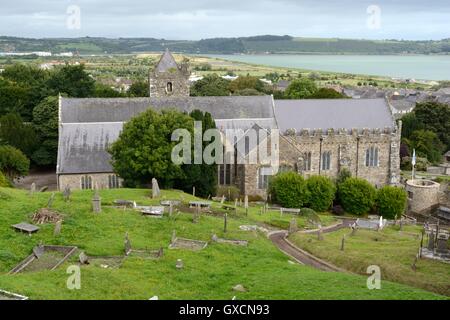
(333, 114)
(123, 109)
(166, 62)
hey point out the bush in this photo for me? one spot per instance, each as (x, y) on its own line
(230, 192)
(391, 202)
(13, 162)
(3, 181)
(321, 193)
(289, 190)
(357, 196)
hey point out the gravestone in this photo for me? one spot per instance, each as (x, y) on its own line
(127, 245)
(32, 188)
(293, 226)
(50, 201)
(414, 264)
(196, 214)
(354, 229)
(96, 202)
(225, 217)
(319, 233)
(57, 230)
(38, 251)
(235, 202)
(170, 209)
(83, 258)
(174, 237)
(193, 191)
(179, 265)
(223, 200)
(343, 243)
(246, 202)
(66, 193)
(431, 241)
(441, 246)
(155, 189)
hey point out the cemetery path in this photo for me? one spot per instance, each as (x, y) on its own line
(279, 238)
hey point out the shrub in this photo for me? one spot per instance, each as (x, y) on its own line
(13, 162)
(3, 181)
(230, 192)
(391, 202)
(357, 196)
(289, 190)
(343, 175)
(321, 192)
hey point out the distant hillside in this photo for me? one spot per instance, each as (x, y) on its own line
(257, 44)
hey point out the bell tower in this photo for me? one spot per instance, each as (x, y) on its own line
(168, 79)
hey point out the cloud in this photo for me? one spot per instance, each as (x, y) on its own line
(196, 19)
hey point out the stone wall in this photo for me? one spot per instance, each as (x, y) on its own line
(74, 180)
(422, 195)
(178, 78)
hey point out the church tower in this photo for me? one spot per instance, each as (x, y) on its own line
(169, 79)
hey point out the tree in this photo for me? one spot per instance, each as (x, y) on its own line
(144, 147)
(321, 192)
(326, 93)
(139, 89)
(72, 80)
(289, 190)
(14, 99)
(248, 92)
(105, 91)
(45, 123)
(300, 89)
(211, 85)
(13, 162)
(391, 202)
(357, 196)
(246, 82)
(201, 176)
(427, 144)
(410, 124)
(17, 134)
(435, 117)
(4, 183)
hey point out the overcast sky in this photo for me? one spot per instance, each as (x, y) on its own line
(197, 19)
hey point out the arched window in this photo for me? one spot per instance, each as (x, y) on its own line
(113, 181)
(372, 157)
(169, 87)
(307, 161)
(326, 160)
(264, 173)
(86, 182)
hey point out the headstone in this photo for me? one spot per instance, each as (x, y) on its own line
(246, 202)
(96, 202)
(174, 237)
(66, 193)
(127, 245)
(179, 265)
(401, 224)
(155, 189)
(441, 246)
(32, 188)
(193, 191)
(214, 238)
(50, 201)
(197, 214)
(235, 202)
(38, 251)
(225, 217)
(170, 209)
(343, 243)
(319, 233)
(83, 258)
(223, 200)
(239, 288)
(354, 229)
(293, 227)
(431, 241)
(57, 230)
(414, 264)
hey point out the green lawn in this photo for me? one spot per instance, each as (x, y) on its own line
(207, 274)
(391, 249)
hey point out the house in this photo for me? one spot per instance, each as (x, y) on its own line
(306, 136)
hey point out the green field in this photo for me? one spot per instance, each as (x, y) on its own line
(207, 274)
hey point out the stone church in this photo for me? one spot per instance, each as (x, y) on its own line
(317, 137)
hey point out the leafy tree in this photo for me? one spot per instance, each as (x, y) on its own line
(289, 190)
(144, 147)
(326, 93)
(248, 92)
(391, 202)
(139, 89)
(246, 82)
(13, 162)
(427, 144)
(211, 85)
(357, 196)
(202, 176)
(14, 99)
(410, 124)
(321, 192)
(72, 80)
(105, 91)
(17, 134)
(45, 123)
(300, 89)
(435, 117)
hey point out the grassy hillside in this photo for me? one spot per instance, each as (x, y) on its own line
(257, 44)
(208, 274)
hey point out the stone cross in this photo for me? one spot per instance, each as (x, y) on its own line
(127, 245)
(155, 189)
(57, 229)
(32, 188)
(225, 217)
(50, 201)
